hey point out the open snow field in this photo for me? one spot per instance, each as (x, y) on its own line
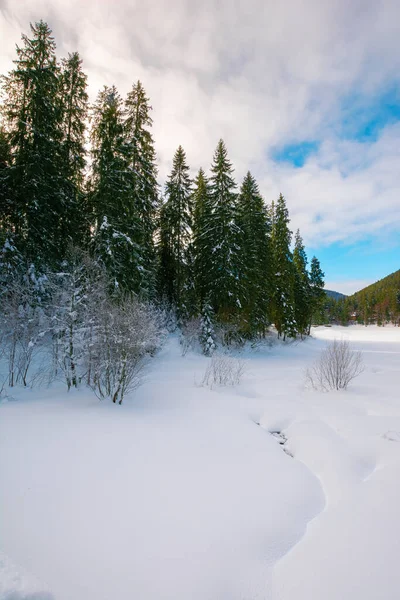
(183, 493)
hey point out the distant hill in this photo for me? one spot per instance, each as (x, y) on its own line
(378, 302)
(334, 295)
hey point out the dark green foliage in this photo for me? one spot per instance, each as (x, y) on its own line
(283, 300)
(12, 263)
(175, 233)
(222, 238)
(141, 160)
(202, 215)
(165, 264)
(302, 291)
(112, 195)
(7, 203)
(32, 113)
(75, 109)
(255, 277)
(74, 99)
(317, 292)
(124, 188)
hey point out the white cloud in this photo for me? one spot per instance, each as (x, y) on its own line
(257, 73)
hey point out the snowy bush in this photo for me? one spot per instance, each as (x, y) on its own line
(190, 335)
(336, 367)
(168, 315)
(22, 327)
(89, 335)
(223, 370)
(77, 292)
(126, 334)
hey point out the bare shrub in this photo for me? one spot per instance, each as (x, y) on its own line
(22, 326)
(190, 335)
(126, 334)
(223, 370)
(76, 295)
(337, 365)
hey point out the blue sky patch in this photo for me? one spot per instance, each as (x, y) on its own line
(295, 154)
(368, 259)
(365, 117)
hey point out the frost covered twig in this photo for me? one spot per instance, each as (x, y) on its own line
(223, 370)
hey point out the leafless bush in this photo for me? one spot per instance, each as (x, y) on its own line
(22, 329)
(336, 367)
(126, 334)
(223, 370)
(190, 335)
(77, 293)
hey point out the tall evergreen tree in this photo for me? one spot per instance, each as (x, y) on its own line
(143, 173)
(74, 113)
(254, 226)
(112, 197)
(166, 274)
(6, 200)
(222, 235)
(302, 294)
(32, 113)
(202, 250)
(177, 221)
(283, 271)
(317, 293)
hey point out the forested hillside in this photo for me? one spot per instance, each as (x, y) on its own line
(378, 303)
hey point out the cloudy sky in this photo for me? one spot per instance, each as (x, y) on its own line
(305, 93)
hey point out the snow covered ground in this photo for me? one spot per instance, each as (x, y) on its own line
(183, 493)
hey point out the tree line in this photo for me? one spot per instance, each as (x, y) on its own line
(81, 176)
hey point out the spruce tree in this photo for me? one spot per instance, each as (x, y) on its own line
(7, 205)
(74, 114)
(207, 332)
(32, 114)
(202, 250)
(222, 235)
(255, 227)
(141, 157)
(317, 293)
(166, 274)
(116, 221)
(177, 220)
(283, 271)
(302, 296)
